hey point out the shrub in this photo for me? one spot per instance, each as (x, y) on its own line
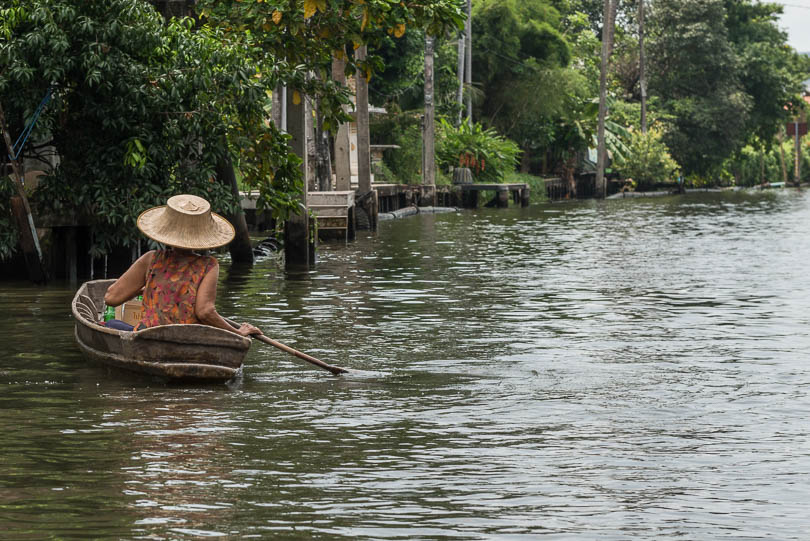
(489, 155)
(648, 161)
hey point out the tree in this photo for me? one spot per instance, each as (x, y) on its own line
(519, 59)
(697, 75)
(141, 110)
(771, 72)
(293, 38)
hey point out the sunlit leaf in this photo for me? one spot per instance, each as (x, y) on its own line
(310, 7)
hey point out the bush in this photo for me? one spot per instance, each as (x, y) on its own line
(489, 155)
(648, 161)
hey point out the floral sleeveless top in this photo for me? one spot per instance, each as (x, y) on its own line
(170, 294)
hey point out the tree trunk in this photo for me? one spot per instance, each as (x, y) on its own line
(568, 173)
(323, 159)
(798, 160)
(525, 161)
(762, 165)
(780, 137)
(278, 104)
(240, 248)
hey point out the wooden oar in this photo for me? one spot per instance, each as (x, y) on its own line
(336, 370)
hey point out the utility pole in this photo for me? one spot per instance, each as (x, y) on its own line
(468, 60)
(600, 187)
(642, 77)
(428, 150)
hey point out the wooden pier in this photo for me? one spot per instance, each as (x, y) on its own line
(396, 196)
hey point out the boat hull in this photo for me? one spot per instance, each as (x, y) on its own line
(174, 352)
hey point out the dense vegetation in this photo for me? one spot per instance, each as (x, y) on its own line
(722, 85)
(142, 107)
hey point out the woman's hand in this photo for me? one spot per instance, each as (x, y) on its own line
(246, 329)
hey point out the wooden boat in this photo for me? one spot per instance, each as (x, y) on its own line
(175, 352)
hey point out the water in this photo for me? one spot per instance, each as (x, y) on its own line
(633, 369)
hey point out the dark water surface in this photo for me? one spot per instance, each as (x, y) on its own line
(634, 369)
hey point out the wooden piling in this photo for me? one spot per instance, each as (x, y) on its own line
(503, 198)
(297, 249)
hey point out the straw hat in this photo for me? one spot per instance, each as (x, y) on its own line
(186, 221)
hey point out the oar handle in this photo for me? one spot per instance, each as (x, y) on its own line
(336, 370)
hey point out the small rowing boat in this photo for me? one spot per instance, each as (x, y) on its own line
(175, 352)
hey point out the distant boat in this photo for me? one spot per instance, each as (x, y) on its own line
(176, 352)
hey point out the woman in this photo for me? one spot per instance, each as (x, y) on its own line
(178, 285)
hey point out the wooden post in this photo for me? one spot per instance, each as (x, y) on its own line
(525, 195)
(29, 241)
(468, 59)
(363, 143)
(343, 172)
(366, 194)
(296, 229)
(503, 198)
(428, 127)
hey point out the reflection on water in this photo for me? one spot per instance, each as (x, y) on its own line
(622, 369)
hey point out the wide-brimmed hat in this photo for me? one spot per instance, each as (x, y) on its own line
(186, 221)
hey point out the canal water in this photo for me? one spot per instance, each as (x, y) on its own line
(628, 369)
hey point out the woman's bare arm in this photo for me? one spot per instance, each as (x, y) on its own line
(131, 282)
(205, 309)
